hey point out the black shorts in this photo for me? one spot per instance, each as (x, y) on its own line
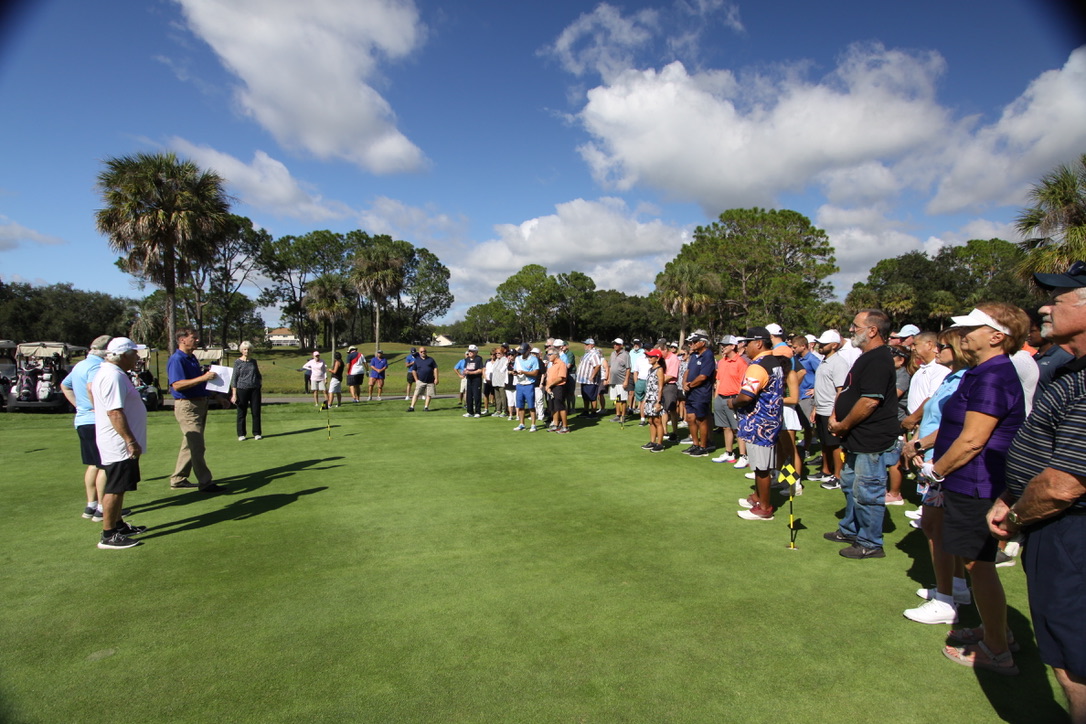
(354, 380)
(88, 445)
(965, 527)
(827, 438)
(1056, 580)
(670, 397)
(123, 476)
(557, 402)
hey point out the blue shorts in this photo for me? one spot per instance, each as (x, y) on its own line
(590, 392)
(698, 404)
(525, 397)
(1056, 581)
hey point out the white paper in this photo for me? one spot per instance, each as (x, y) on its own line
(222, 382)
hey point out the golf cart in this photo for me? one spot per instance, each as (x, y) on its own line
(145, 382)
(40, 367)
(7, 369)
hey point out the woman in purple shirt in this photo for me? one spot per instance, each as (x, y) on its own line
(979, 421)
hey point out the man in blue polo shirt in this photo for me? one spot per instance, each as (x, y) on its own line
(698, 385)
(188, 386)
(424, 370)
(74, 388)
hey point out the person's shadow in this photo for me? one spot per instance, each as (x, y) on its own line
(237, 484)
(1027, 698)
(237, 509)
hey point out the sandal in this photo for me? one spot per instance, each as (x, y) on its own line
(973, 636)
(981, 657)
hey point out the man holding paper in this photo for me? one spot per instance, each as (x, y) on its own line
(188, 385)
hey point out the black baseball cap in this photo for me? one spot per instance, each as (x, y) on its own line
(1074, 278)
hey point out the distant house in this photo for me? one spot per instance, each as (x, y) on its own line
(441, 340)
(281, 337)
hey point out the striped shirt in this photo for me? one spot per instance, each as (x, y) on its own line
(1054, 435)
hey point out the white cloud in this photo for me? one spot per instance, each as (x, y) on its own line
(603, 238)
(426, 227)
(307, 69)
(1042, 128)
(723, 142)
(13, 234)
(579, 232)
(265, 183)
(603, 41)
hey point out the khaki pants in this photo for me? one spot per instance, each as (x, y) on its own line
(191, 416)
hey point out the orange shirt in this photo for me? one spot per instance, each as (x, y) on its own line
(729, 375)
(556, 372)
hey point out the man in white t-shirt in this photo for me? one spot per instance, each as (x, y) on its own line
(929, 375)
(120, 429)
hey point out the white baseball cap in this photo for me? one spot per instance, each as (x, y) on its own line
(829, 336)
(774, 329)
(119, 345)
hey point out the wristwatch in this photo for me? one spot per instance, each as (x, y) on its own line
(1013, 519)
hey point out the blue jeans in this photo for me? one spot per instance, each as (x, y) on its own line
(863, 481)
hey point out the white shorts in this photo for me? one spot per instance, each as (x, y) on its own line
(617, 393)
(334, 385)
(791, 418)
(511, 398)
(463, 384)
(317, 385)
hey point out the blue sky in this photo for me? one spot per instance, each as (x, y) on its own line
(574, 135)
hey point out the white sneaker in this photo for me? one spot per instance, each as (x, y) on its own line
(914, 524)
(684, 423)
(518, 428)
(749, 476)
(741, 462)
(934, 612)
(258, 437)
(477, 416)
(241, 438)
(962, 598)
(532, 428)
(466, 414)
(914, 514)
(745, 502)
(725, 458)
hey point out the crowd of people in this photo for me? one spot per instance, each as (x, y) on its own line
(987, 416)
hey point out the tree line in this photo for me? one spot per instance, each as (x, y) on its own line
(170, 220)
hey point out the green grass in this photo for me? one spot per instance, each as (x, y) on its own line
(428, 568)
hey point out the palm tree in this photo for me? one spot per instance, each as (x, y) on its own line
(1054, 228)
(684, 290)
(942, 305)
(326, 301)
(378, 275)
(164, 215)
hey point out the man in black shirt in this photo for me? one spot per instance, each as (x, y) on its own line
(865, 418)
(474, 367)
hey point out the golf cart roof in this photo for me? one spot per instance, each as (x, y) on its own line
(144, 351)
(48, 349)
(208, 355)
(7, 344)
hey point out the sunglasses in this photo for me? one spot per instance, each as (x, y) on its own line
(943, 347)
